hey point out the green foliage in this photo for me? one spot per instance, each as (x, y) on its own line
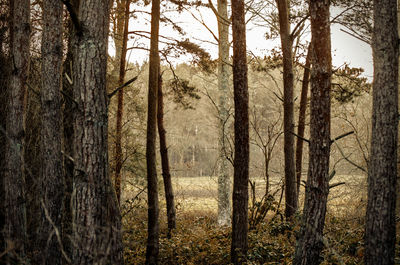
(348, 84)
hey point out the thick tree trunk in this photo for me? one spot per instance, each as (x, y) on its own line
(15, 232)
(52, 185)
(224, 181)
(120, 110)
(302, 119)
(97, 220)
(310, 242)
(241, 160)
(152, 190)
(288, 116)
(169, 192)
(380, 230)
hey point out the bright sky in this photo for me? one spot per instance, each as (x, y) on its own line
(345, 48)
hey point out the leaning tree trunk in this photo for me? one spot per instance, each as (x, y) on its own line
(288, 116)
(224, 181)
(241, 160)
(169, 192)
(97, 220)
(15, 232)
(120, 108)
(52, 184)
(302, 120)
(310, 242)
(380, 228)
(152, 190)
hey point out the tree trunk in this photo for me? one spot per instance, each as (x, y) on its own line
(152, 190)
(288, 120)
(15, 232)
(97, 220)
(310, 242)
(4, 79)
(68, 136)
(52, 185)
(169, 193)
(241, 160)
(224, 182)
(120, 110)
(380, 230)
(302, 119)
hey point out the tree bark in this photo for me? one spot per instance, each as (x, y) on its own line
(120, 110)
(241, 124)
(15, 233)
(52, 185)
(96, 217)
(288, 116)
(224, 181)
(169, 192)
(152, 190)
(380, 230)
(302, 119)
(310, 242)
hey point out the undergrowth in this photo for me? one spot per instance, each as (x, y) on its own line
(199, 240)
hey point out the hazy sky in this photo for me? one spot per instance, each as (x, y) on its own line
(345, 48)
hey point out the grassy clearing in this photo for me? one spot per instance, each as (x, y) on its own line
(198, 240)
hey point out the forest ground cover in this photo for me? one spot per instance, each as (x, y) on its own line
(199, 240)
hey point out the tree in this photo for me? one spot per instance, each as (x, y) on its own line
(169, 193)
(96, 219)
(302, 118)
(120, 110)
(224, 183)
(288, 116)
(310, 242)
(241, 125)
(152, 190)
(380, 229)
(52, 185)
(15, 232)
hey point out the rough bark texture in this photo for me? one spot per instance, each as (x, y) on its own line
(224, 180)
(302, 119)
(52, 186)
(288, 115)
(241, 160)
(96, 216)
(380, 230)
(152, 190)
(120, 110)
(15, 232)
(310, 242)
(169, 192)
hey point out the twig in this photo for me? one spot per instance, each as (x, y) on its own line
(341, 136)
(355, 36)
(336, 184)
(298, 136)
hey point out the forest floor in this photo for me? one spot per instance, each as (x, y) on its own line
(199, 240)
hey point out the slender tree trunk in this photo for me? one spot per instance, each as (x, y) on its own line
(288, 116)
(52, 186)
(241, 160)
(302, 119)
(120, 110)
(68, 136)
(380, 228)
(15, 232)
(224, 181)
(310, 242)
(152, 190)
(169, 193)
(97, 220)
